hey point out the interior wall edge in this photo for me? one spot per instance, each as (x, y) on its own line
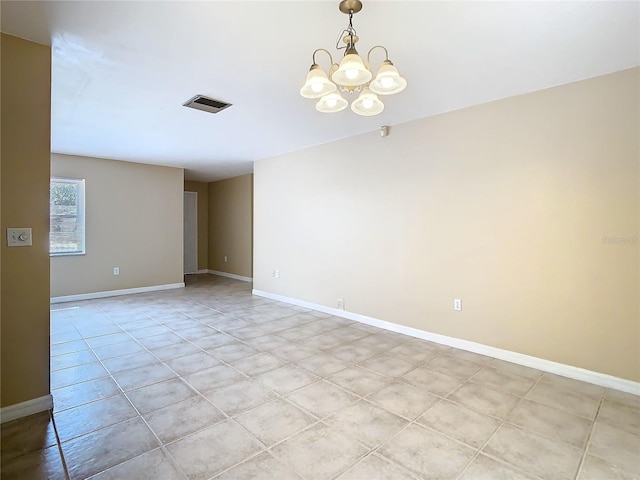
(26, 408)
(569, 371)
(115, 293)
(230, 275)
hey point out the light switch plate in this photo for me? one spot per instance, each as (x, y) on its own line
(19, 237)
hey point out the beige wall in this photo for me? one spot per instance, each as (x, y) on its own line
(231, 225)
(133, 221)
(24, 172)
(202, 189)
(509, 206)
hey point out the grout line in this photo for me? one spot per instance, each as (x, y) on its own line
(265, 447)
(243, 309)
(359, 398)
(480, 450)
(178, 376)
(59, 445)
(588, 440)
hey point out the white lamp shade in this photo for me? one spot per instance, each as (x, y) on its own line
(388, 81)
(317, 84)
(367, 104)
(351, 72)
(331, 103)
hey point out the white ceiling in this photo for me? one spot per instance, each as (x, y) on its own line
(121, 70)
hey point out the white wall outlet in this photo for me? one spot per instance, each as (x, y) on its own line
(340, 303)
(276, 273)
(19, 237)
(116, 270)
(457, 304)
(225, 258)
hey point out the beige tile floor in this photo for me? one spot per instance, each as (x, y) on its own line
(212, 382)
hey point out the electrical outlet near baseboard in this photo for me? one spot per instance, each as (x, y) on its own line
(457, 304)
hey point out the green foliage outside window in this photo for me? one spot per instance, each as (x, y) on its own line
(66, 215)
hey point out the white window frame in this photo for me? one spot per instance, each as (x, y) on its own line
(80, 199)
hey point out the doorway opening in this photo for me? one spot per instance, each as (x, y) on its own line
(190, 232)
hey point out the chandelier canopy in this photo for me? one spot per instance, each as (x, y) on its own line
(351, 75)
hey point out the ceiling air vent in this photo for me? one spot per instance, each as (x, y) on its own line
(206, 104)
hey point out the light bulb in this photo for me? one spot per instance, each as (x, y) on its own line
(351, 73)
(331, 103)
(386, 82)
(367, 104)
(317, 84)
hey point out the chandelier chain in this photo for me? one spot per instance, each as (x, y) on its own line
(349, 32)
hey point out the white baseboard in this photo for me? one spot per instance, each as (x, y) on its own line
(115, 293)
(204, 270)
(24, 409)
(231, 275)
(569, 371)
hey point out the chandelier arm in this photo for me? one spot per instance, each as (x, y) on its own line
(327, 52)
(386, 54)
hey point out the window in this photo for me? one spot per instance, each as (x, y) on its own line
(66, 216)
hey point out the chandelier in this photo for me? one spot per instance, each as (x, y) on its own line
(352, 75)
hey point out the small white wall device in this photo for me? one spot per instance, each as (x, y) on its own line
(19, 237)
